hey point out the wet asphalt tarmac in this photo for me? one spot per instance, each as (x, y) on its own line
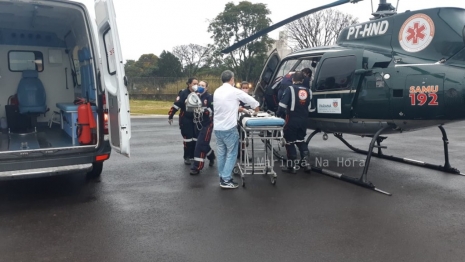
(148, 208)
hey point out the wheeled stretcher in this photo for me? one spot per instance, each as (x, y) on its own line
(257, 158)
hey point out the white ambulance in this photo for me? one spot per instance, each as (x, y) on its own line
(50, 73)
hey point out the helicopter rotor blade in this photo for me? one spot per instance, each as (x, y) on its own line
(286, 21)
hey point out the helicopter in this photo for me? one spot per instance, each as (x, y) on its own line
(398, 72)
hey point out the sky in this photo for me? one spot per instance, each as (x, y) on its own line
(151, 26)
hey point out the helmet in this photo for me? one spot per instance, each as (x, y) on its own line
(193, 102)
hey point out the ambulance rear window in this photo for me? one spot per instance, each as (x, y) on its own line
(19, 61)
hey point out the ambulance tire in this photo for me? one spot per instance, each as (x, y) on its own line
(97, 168)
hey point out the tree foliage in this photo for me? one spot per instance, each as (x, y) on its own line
(146, 66)
(169, 65)
(131, 69)
(192, 57)
(235, 23)
(148, 63)
(319, 29)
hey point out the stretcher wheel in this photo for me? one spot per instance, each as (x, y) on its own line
(273, 181)
(236, 171)
(243, 183)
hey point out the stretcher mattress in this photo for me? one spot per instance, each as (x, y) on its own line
(262, 121)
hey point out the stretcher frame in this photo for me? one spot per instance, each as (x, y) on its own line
(244, 167)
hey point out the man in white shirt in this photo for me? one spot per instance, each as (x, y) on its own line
(226, 101)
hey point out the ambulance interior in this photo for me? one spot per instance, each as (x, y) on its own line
(46, 65)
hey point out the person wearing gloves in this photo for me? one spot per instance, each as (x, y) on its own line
(202, 148)
(294, 107)
(226, 101)
(186, 120)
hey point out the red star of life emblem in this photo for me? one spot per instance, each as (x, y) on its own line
(416, 33)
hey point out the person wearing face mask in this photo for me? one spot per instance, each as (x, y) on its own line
(186, 120)
(202, 148)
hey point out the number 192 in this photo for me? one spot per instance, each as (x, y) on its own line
(422, 98)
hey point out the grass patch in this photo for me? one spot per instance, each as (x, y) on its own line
(149, 107)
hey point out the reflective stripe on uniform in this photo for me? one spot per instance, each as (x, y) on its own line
(188, 140)
(282, 105)
(209, 153)
(292, 98)
(310, 104)
(176, 107)
(198, 159)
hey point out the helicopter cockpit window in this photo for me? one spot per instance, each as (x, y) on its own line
(286, 67)
(336, 73)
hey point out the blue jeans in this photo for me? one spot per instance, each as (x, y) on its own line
(227, 142)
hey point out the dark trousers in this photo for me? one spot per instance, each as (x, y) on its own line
(189, 133)
(202, 148)
(242, 146)
(295, 136)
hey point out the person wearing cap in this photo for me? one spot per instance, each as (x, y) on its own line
(205, 125)
(294, 107)
(186, 120)
(226, 101)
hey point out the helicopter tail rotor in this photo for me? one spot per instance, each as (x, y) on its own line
(286, 21)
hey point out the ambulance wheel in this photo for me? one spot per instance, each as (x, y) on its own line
(97, 168)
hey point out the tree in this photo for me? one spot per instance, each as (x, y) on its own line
(319, 29)
(131, 69)
(148, 63)
(169, 65)
(192, 57)
(235, 23)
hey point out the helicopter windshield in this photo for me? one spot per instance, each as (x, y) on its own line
(458, 59)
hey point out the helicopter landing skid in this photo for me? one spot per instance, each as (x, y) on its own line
(362, 181)
(446, 168)
(352, 180)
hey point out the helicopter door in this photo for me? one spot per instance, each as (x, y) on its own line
(113, 77)
(372, 100)
(266, 76)
(335, 84)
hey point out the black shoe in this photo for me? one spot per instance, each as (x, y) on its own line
(194, 172)
(187, 161)
(228, 184)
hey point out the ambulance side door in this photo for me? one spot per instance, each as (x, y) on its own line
(113, 77)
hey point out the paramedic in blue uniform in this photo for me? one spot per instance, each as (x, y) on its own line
(285, 83)
(294, 107)
(202, 148)
(186, 120)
